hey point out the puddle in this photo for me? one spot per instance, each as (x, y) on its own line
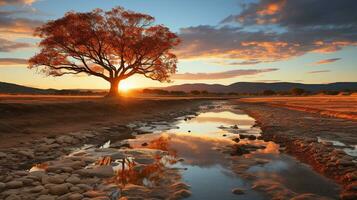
(198, 143)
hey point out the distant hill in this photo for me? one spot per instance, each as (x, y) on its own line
(239, 87)
(253, 87)
(10, 88)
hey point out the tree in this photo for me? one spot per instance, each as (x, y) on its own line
(112, 45)
(195, 92)
(269, 92)
(297, 91)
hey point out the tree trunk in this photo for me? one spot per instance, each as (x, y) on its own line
(114, 88)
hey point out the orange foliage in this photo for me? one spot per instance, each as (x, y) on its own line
(113, 45)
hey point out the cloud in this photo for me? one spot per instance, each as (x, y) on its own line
(268, 81)
(268, 31)
(247, 62)
(326, 61)
(319, 71)
(20, 26)
(301, 13)
(7, 45)
(16, 2)
(221, 75)
(12, 61)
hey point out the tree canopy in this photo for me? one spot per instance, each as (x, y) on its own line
(113, 45)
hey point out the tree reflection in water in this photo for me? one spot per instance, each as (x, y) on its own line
(131, 172)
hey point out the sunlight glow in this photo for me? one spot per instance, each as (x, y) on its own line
(125, 86)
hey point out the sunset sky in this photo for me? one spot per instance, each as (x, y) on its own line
(224, 41)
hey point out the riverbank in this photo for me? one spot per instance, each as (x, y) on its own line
(311, 138)
(25, 118)
(59, 175)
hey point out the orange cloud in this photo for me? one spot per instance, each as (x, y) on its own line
(319, 71)
(272, 8)
(7, 45)
(12, 61)
(326, 61)
(16, 2)
(221, 75)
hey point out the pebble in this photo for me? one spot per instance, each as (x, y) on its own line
(73, 180)
(59, 189)
(2, 186)
(14, 184)
(237, 191)
(46, 197)
(13, 197)
(36, 189)
(75, 196)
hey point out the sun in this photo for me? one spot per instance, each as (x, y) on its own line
(125, 86)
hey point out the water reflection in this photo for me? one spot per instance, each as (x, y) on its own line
(209, 172)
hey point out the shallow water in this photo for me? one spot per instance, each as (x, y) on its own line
(197, 150)
(209, 172)
(349, 149)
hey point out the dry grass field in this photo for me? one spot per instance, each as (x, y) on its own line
(336, 106)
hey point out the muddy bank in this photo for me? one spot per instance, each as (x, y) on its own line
(22, 120)
(300, 134)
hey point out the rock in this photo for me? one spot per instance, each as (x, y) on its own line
(66, 139)
(21, 173)
(238, 191)
(46, 197)
(36, 189)
(236, 139)
(75, 196)
(308, 196)
(179, 186)
(84, 186)
(2, 186)
(144, 144)
(59, 189)
(181, 194)
(100, 171)
(28, 153)
(352, 186)
(73, 180)
(36, 175)
(75, 189)
(49, 140)
(252, 137)
(57, 179)
(351, 176)
(94, 193)
(348, 196)
(345, 162)
(3, 155)
(145, 161)
(14, 184)
(132, 189)
(117, 156)
(13, 197)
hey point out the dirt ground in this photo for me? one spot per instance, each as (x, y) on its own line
(298, 116)
(26, 117)
(334, 106)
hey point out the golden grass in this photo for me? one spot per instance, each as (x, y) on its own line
(336, 106)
